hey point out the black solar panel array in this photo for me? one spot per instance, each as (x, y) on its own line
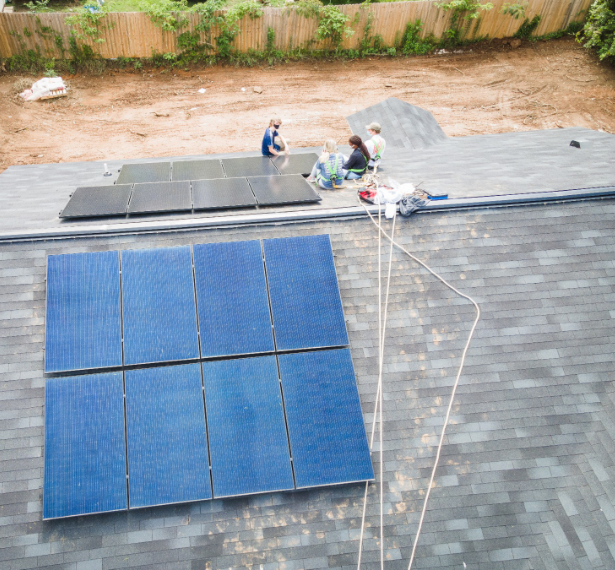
(189, 185)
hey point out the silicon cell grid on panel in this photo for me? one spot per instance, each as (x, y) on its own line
(85, 461)
(232, 298)
(167, 439)
(83, 324)
(158, 305)
(247, 434)
(325, 422)
(305, 298)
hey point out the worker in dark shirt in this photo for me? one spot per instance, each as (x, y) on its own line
(356, 165)
(274, 144)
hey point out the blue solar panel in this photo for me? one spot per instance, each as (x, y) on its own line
(85, 462)
(167, 440)
(325, 423)
(305, 298)
(247, 433)
(158, 305)
(232, 299)
(83, 312)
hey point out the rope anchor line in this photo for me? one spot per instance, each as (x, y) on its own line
(379, 393)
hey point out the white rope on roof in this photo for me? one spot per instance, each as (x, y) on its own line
(381, 231)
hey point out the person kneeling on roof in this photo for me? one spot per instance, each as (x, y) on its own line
(328, 168)
(274, 144)
(356, 165)
(375, 145)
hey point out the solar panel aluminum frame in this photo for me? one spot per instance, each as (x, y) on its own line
(119, 336)
(249, 166)
(109, 377)
(284, 163)
(200, 188)
(273, 312)
(140, 191)
(136, 402)
(116, 189)
(196, 173)
(295, 453)
(157, 167)
(270, 190)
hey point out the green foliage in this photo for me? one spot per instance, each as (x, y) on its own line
(307, 8)
(208, 17)
(516, 10)
(599, 30)
(332, 25)
(527, 28)
(413, 44)
(88, 25)
(466, 9)
(572, 30)
(270, 45)
(38, 6)
(166, 14)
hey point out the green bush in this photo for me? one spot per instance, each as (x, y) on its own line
(599, 29)
(527, 28)
(412, 43)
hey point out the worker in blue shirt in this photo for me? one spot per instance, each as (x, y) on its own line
(274, 144)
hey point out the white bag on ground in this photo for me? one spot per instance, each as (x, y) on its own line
(46, 87)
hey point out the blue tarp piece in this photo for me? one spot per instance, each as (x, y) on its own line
(247, 433)
(232, 298)
(325, 423)
(158, 305)
(167, 438)
(305, 298)
(85, 462)
(83, 312)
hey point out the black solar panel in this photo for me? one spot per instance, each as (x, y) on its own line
(222, 193)
(249, 166)
(160, 197)
(197, 170)
(148, 172)
(92, 201)
(288, 189)
(295, 163)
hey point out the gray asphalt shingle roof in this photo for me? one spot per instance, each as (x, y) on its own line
(526, 475)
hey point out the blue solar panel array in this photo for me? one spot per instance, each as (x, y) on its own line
(167, 438)
(83, 312)
(158, 305)
(289, 418)
(85, 462)
(305, 298)
(232, 298)
(325, 422)
(247, 433)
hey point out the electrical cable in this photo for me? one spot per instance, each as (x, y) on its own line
(453, 392)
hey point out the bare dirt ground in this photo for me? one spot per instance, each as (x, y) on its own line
(491, 88)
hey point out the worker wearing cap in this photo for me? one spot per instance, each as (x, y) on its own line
(274, 144)
(375, 145)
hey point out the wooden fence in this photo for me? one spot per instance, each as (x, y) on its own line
(134, 35)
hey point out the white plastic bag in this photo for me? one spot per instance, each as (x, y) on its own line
(46, 87)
